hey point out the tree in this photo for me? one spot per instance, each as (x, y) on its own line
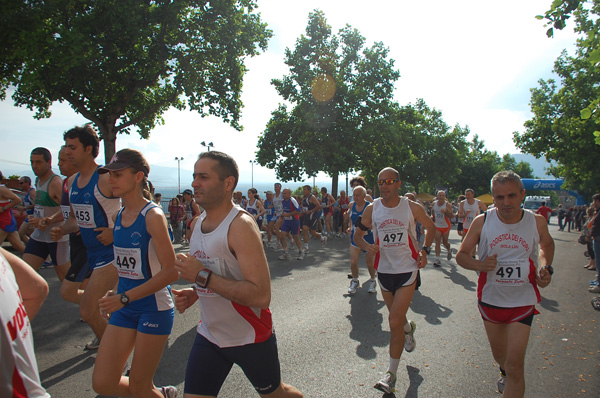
(523, 169)
(122, 63)
(478, 166)
(335, 89)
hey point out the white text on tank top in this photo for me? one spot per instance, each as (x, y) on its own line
(222, 322)
(473, 211)
(395, 233)
(440, 219)
(16, 340)
(512, 283)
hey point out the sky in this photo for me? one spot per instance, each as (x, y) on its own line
(475, 61)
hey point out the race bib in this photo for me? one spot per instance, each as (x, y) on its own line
(84, 214)
(129, 262)
(511, 272)
(66, 211)
(38, 211)
(391, 237)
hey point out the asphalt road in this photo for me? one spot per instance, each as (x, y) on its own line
(335, 345)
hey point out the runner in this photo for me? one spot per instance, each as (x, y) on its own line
(291, 224)
(342, 204)
(271, 218)
(47, 204)
(27, 206)
(192, 210)
(8, 224)
(511, 242)
(233, 287)
(327, 202)
(310, 221)
(92, 208)
(357, 207)
(278, 209)
(442, 212)
(469, 209)
(460, 221)
(397, 261)
(22, 293)
(255, 207)
(140, 312)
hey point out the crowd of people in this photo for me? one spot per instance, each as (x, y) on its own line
(109, 243)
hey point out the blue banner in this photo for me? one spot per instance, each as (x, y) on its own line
(545, 185)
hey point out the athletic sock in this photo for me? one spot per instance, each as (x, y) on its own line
(407, 327)
(393, 368)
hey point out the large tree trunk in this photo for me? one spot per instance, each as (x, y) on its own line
(108, 135)
(334, 185)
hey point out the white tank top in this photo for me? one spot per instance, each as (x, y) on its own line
(18, 369)
(225, 323)
(441, 221)
(394, 231)
(473, 212)
(512, 283)
(278, 204)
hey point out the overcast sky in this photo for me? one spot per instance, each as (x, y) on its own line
(473, 60)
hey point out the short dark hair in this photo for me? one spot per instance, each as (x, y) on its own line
(26, 179)
(44, 152)
(360, 180)
(596, 196)
(86, 135)
(306, 187)
(227, 167)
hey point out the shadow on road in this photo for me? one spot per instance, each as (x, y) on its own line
(68, 368)
(459, 279)
(550, 305)
(366, 321)
(433, 311)
(171, 370)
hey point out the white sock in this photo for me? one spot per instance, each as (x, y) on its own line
(393, 368)
(407, 327)
(437, 258)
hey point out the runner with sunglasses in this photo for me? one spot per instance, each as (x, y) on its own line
(398, 260)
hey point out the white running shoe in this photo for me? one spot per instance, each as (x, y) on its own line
(300, 256)
(437, 262)
(285, 256)
(354, 283)
(93, 344)
(323, 241)
(372, 286)
(387, 384)
(409, 338)
(449, 256)
(169, 391)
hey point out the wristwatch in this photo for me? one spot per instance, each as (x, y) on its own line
(549, 269)
(203, 277)
(427, 249)
(124, 299)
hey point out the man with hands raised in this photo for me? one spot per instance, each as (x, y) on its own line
(515, 253)
(228, 265)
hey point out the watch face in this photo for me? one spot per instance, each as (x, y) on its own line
(124, 299)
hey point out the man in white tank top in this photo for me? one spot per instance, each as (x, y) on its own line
(397, 260)
(227, 262)
(469, 209)
(442, 213)
(511, 243)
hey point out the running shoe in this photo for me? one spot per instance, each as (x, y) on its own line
(169, 391)
(93, 344)
(409, 338)
(501, 381)
(594, 283)
(437, 263)
(284, 256)
(449, 256)
(353, 285)
(323, 240)
(372, 286)
(300, 255)
(595, 289)
(387, 384)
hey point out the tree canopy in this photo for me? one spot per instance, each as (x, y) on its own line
(122, 63)
(557, 130)
(334, 89)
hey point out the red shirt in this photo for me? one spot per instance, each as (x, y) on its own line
(544, 211)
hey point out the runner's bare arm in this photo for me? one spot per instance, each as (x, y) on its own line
(546, 251)
(463, 257)
(421, 216)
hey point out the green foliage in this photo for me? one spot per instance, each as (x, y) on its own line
(560, 130)
(336, 89)
(14, 177)
(123, 63)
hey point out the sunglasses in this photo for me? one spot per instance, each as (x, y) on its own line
(388, 181)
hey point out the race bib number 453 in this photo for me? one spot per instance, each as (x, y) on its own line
(84, 214)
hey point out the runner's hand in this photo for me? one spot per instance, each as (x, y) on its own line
(188, 266)
(184, 299)
(109, 304)
(489, 264)
(543, 278)
(105, 236)
(421, 260)
(56, 233)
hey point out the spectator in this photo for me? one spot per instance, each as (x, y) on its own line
(176, 215)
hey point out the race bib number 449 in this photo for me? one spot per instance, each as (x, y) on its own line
(129, 262)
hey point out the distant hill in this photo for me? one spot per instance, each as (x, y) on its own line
(539, 166)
